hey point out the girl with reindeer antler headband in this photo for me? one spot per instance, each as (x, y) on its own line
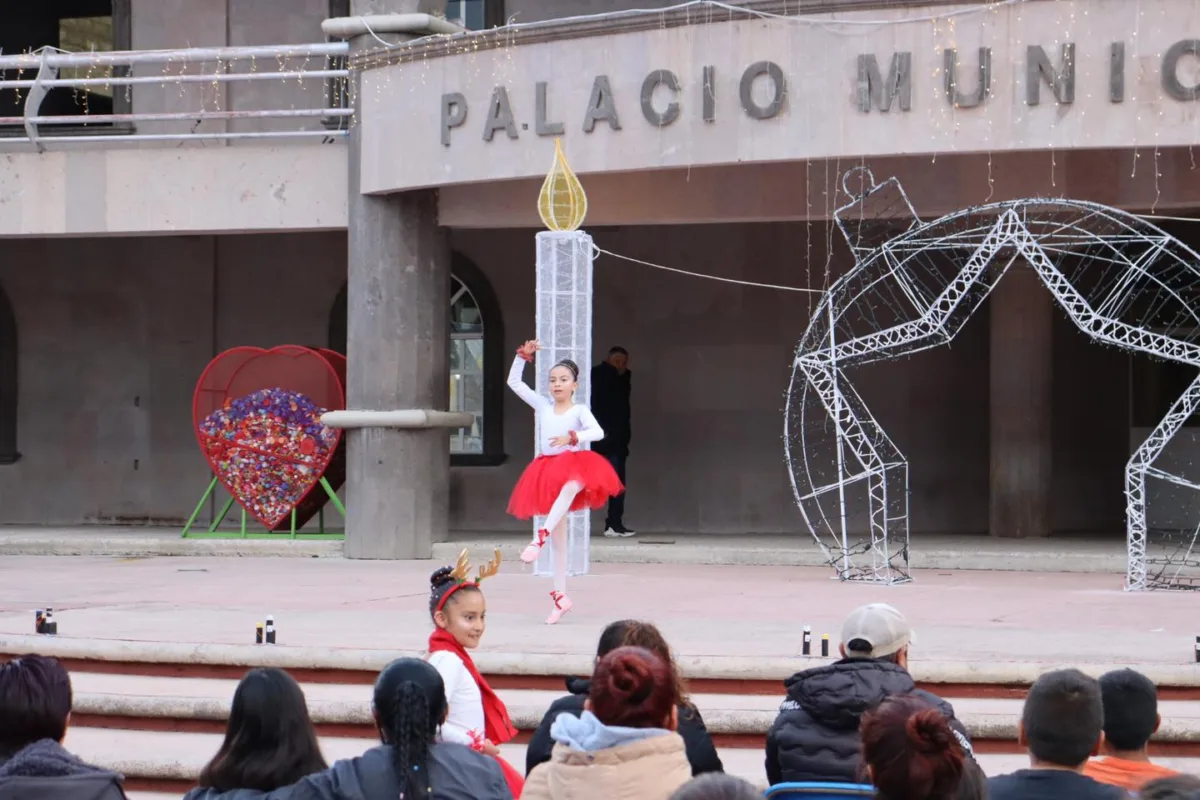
(476, 716)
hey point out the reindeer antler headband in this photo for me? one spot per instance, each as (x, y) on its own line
(461, 571)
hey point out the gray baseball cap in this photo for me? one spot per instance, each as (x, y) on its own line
(881, 626)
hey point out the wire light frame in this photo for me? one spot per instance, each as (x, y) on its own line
(1121, 280)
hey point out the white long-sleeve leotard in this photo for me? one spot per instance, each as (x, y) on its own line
(464, 718)
(577, 418)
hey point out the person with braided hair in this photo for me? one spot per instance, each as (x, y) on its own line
(565, 476)
(476, 716)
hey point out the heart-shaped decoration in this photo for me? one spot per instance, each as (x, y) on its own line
(257, 416)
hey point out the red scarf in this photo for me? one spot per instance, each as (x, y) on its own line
(497, 725)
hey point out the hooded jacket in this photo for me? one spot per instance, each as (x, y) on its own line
(701, 752)
(44, 770)
(594, 761)
(455, 773)
(815, 736)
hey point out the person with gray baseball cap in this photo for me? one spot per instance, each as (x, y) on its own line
(815, 737)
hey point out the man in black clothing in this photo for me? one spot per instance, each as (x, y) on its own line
(815, 737)
(611, 386)
(1061, 727)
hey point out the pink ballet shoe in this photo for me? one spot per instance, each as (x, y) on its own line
(534, 548)
(562, 604)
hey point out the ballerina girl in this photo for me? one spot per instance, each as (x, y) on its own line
(564, 477)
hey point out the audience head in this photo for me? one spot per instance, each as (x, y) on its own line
(35, 702)
(269, 739)
(878, 631)
(717, 786)
(1176, 787)
(457, 607)
(619, 358)
(632, 688)
(1061, 724)
(1130, 710)
(409, 705)
(634, 633)
(911, 752)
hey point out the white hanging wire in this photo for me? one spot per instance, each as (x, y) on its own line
(824, 22)
(598, 251)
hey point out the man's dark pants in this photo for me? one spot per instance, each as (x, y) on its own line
(616, 505)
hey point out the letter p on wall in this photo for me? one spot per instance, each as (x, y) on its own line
(454, 114)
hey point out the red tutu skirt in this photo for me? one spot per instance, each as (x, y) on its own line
(543, 479)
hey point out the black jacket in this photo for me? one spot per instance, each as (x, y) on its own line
(46, 771)
(610, 405)
(1050, 784)
(455, 773)
(701, 752)
(815, 736)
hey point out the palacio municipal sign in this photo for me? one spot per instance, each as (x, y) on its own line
(1042, 75)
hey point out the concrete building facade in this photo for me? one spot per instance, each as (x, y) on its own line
(708, 140)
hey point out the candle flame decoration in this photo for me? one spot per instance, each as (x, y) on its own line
(562, 203)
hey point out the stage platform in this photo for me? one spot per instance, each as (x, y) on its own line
(155, 645)
(1084, 552)
(749, 613)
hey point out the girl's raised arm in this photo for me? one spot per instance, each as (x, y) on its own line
(518, 385)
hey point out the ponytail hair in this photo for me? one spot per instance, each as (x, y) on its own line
(912, 751)
(410, 704)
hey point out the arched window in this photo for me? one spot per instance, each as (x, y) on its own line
(477, 364)
(8, 382)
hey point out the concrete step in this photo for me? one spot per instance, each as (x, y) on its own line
(201, 705)
(534, 669)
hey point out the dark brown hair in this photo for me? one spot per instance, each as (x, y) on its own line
(635, 633)
(269, 739)
(35, 701)
(632, 688)
(911, 750)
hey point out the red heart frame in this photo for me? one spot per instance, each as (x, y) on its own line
(241, 371)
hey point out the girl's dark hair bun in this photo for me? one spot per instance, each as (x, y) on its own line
(571, 365)
(440, 577)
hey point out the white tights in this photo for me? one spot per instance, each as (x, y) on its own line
(556, 523)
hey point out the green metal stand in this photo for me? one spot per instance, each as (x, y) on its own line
(214, 531)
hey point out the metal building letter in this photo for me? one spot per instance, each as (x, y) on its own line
(1116, 72)
(778, 84)
(500, 116)
(660, 77)
(454, 114)
(540, 124)
(983, 82)
(1039, 68)
(601, 106)
(710, 95)
(1170, 70)
(872, 89)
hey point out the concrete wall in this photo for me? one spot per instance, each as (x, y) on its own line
(115, 332)
(535, 10)
(158, 24)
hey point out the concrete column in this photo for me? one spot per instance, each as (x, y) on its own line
(1022, 313)
(397, 481)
